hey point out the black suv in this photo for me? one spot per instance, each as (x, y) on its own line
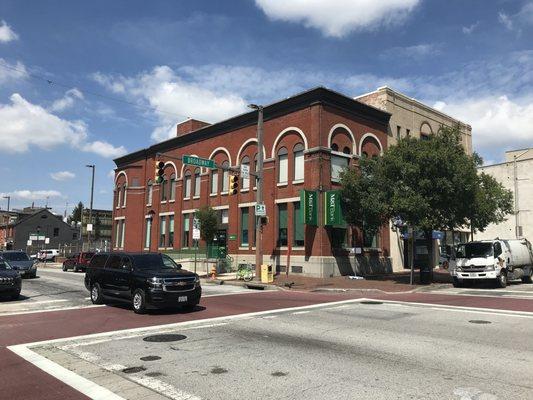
(148, 280)
(10, 280)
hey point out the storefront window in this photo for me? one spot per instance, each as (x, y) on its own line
(244, 226)
(282, 225)
(298, 226)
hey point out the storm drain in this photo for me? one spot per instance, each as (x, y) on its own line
(164, 338)
(370, 302)
(150, 358)
(479, 321)
(133, 370)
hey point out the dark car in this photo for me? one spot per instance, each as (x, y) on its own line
(78, 261)
(10, 280)
(21, 262)
(147, 280)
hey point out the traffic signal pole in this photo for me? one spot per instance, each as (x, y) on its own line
(259, 192)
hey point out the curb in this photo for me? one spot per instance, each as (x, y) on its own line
(247, 285)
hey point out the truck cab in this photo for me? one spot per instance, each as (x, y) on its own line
(498, 260)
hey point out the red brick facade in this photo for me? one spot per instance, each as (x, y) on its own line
(319, 120)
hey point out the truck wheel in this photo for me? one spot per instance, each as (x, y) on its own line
(139, 302)
(527, 279)
(501, 281)
(65, 268)
(456, 283)
(96, 294)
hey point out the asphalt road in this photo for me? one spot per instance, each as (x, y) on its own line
(54, 289)
(342, 351)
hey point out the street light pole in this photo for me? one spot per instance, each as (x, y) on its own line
(259, 191)
(7, 220)
(92, 166)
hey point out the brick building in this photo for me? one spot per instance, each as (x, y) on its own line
(308, 139)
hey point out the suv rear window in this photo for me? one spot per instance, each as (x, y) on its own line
(98, 261)
(87, 256)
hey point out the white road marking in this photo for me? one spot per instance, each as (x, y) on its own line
(49, 309)
(82, 385)
(300, 312)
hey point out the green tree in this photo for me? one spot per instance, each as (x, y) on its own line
(208, 220)
(429, 184)
(97, 228)
(75, 216)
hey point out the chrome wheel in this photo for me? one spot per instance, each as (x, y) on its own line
(137, 301)
(94, 293)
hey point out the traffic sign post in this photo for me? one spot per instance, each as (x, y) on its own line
(245, 171)
(260, 210)
(195, 237)
(199, 162)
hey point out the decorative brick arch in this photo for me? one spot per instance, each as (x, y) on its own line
(173, 165)
(287, 130)
(350, 133)
(183, 166)
(223, 150)
(118, 175)
(374, 137)
(246, 143)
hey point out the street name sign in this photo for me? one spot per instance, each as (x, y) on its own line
(199, 162)
(196, 229)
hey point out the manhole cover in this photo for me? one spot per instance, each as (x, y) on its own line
(371, 302)
(164, 338)
(479, 321)
(132, 370)
(150, 358)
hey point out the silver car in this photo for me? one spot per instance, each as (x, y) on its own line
(20, 262)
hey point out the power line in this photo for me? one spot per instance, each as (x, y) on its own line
(90, 92)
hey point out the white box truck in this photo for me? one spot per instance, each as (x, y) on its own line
(500, 260)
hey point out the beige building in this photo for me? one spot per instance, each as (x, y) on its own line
(515, 174)
(412, 118)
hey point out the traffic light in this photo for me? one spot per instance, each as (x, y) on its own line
(233, 184)
(159, 171)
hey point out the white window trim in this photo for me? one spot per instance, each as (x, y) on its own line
(117, 218)
(164, 201)
(172, 201)
(189, 211)
(166, 213)
(244, 247)
(186, 198)
(282, 184)
(287, 200)
(213, 194)
(298, 248)
(340, 153)
(298, 182)
(251, 204)
(245, 190)
(224, 193)
(220, 207)
(195, 197)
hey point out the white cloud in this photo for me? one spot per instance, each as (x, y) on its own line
(337, 18)
(6, 33)
(111, 174)
(173, 98)
(25, 124)
(412, 52)
(497, 122)
(11, 72)
(467, 30)
(67, 101)
(62, 175)
(32, 194)
(104, 149)
(505, 20)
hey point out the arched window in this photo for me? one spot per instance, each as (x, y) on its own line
(214, 181)
(298, 152)
(172, 188)
(149, 192)
(197, 182)
(124, 195)
(163, 189)
(283, 165)
(118, 192)
(245, 181)
(346, 150)
(187, 185)
(225, 177)
(335, 147)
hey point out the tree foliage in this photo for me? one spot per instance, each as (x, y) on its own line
(208, 219)
(75, 216)
(429, 184)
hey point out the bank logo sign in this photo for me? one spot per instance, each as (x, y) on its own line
(332, 209)
(309, 209)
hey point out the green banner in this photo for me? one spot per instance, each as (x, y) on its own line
(332, 209)
(309, 207)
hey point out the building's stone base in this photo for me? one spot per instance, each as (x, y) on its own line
(323, 267)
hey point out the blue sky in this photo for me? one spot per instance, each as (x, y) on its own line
(124, 72)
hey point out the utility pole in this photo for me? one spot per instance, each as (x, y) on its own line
(516, 203)
(92, 166)
(259, 192)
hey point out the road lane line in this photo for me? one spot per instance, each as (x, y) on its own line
(82, 385)
(49, 310)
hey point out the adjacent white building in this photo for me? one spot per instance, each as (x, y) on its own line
(515, 174)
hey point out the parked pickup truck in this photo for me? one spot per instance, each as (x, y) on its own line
(500, 260)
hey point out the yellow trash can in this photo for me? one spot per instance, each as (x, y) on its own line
(266, 274)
